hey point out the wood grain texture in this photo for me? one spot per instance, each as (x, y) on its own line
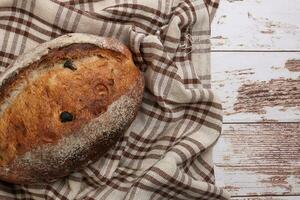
(259, 159)
(257, 25)
(257, 86)
(256, 74)
(267, 198)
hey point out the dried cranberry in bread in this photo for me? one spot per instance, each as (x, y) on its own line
(63, 105)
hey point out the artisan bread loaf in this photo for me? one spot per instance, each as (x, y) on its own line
(63, 105)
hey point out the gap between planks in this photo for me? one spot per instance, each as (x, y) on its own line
(266, 197)
(259, 159)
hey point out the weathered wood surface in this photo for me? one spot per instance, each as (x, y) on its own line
(256, 74)
(268, 198)
(260, 180)
(258, 86)
(257, 25)
(259, 159)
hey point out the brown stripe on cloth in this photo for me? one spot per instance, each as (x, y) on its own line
(56, 20)
(198, 160)
(141, 157)
(186, 116)
(53, 193)
(183, 11)
(8, 55)
(201, 32)
(215, 105)
(112, 182)
(73, 2)
(28, 25)
(4, 64)
(140, 141)
(169, 188)
(194, 109)
(192, 69)
(132, 134)
(176, 184)
(24, 21)
(123, 15)
(76, 22)
(91, 7)
(6, 36)
(111, 18)
(68, 17)
(122, 176)
(205, 177)
(90, 178)
(146, 9)
(163, 155)
(19, 31)
(173, 191)
(163, 71)
(191, 81)
(69, 7)
(211, 3)
(172, 39)
(21, 10)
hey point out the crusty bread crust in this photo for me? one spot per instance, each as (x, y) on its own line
(48, 160)
(36, 53)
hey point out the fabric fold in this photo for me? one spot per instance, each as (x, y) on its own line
(167, 151)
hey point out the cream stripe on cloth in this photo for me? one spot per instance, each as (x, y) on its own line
(167, 151)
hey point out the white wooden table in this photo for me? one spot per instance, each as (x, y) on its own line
(256, 73)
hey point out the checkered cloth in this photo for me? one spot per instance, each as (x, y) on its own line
(167, 151)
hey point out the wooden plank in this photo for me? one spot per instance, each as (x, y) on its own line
(267, 198)
(257, 86)
(259, 159)
(259, 144)
(257, 25)
(241, 181)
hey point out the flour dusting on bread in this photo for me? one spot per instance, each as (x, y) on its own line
(63, 105)
(35, 54)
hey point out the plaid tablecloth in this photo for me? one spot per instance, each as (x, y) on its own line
(167, 151)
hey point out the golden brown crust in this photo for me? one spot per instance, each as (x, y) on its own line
(71, 51)
(74, 152)
(33, 118)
